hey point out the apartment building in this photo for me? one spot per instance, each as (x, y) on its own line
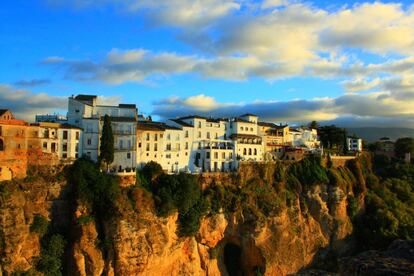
(85, 112)
(275, 138)
(248, 145)
(62, 139)
(354, 144)
(304, 137)
(23, 145)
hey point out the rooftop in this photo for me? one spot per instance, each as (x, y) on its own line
(2, 111)
(248, 114)
(83, 97)
(181, 122)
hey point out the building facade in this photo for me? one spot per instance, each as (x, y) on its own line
(85, 112)
(354, 144)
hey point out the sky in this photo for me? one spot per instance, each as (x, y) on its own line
(345, 62)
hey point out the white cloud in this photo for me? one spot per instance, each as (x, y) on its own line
(26, 104)
(374, 107)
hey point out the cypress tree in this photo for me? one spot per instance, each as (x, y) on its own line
(107, 143)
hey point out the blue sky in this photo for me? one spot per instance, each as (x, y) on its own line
(334, 61)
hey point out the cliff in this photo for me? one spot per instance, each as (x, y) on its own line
(260, 221)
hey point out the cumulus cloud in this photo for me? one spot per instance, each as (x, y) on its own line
(122, 66)
(383, 107)
(179, 13)
(33, 82)
(26, 104)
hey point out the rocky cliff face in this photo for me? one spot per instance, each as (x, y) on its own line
(138, 242)
(20, 201)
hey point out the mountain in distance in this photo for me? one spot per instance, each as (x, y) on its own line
(372, 134)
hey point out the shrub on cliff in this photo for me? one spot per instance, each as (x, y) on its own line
(39, 225)
(151, 171)
(50, 261)
(389, 212)
(97, 190)
(309, 171)
(182, 193)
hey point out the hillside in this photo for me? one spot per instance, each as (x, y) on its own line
(372, 134)
(266, 219)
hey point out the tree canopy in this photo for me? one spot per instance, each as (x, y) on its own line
(403, 146)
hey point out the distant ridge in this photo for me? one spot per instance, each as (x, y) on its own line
(372, 134)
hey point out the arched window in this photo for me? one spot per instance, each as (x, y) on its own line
(250, 151)
(244, 151)
(1, 145)
(255, 151)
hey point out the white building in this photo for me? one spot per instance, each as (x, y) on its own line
(305, 138)
(354, 144)
(61, 139)
(84, 112)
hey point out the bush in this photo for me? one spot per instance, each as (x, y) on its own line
(39, 225)
(50, 262)
(309, 171)
(151, 171)
(95, 189)
(85, 219)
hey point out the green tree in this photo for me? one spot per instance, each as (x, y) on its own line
(404, 145)
(332, 137)
(107, 143)
(314, 125)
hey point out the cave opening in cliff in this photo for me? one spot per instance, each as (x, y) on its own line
(232, 259)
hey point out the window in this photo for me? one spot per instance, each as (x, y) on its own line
(65, 135)
(250, 151)
(77, 135)
(168, 146)
(199, 145)
(216, 155)
(45, 145)
(223, 155)
(168, 136)
(186, 145)
(242, 128)
(77, 147)
(251, 129)
(177, 146)
(186, 134)
(177, 138)
(1, 145)
(65, 155)
(208, 155)
(244, 151)
(128, 155)
(161, 135)
(208, 135)
(77, 110)
(216, 136)
(64, 147)
(199, 134)
(147, 137)
(168, 156)
(139, 144)
(147, 148)
(121, 144)
(155, 137)
(255, 151)
(89, 141)
(231, 155)
(199, 124)
(129, 144)
(155, 147)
